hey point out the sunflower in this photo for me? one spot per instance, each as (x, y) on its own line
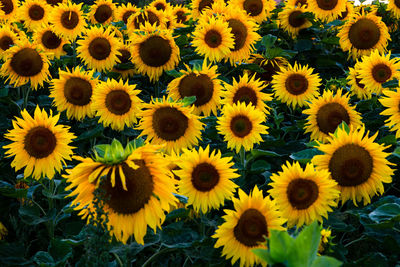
(244, 32)
(216, 9)
(246, 227)
(394, 7)
(38, 144)
(356, 86)
(296, 3)
(356, 163)
(363, 33)
(241, 125)
(376, 69)
(181, 14)
(198, 7)
(271, 66)
(124, 58)
(295, 85)
(34, 13)
(326, 10)
(348, 13)
(99, 49)
(52, 43)
(248, 90)
(205, 178)
(117, 104)
(124, 11)
(102, 12)
(327, 112)
(25, 63)
(154, 51)
(258, 10)
(9, 7)
(137, 191)
(170, 123)
(72, 92)
(392, 104)
(303, 196)
(161, 5)
(292, 21)
(67, 20)
(8, 38)
(200, 82)
(150, 15)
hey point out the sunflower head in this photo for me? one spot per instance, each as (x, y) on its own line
(150, 16)
(68, 20)
(51, 42)
(124, 11)
(258, 10)
(356, 86)
(8, 38)
(8, 10)
(182, 15)
(271, 66)
(326, 10)
(391, 101)
(34, 13)
(102, 12)
(292, 20)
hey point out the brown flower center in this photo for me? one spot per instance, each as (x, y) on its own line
(160, 6)
(126, 16)
(381, 73)
(213, 38)
(27, 62)
(251, 228)
(36, 12)
(200, 86)
(295, 20)
(140, 187)
(205, 177)
(123, 58)
(39, 142)
(6, 42)
(50, 40)
(54, 2)
(118, 102)
(103, 13)
(351, 165)
(205, 3)
(296, 84)
(253, 7)
(330, 115)
(245, 94)
(142, 18)
(241, 126)
(239, 32)
(78, 91)
(7, 6)
(397, 3)
(302, 193)
(364, 34)
(327, 4)
(100, 48)
(169, 123)
(69, 19)
(155, 51)
(180, 16)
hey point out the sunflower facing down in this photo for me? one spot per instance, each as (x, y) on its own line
(124, 58)
(363, 33)
(376, 69)
(72, 93)
(8, 38)
(295, 85)
(117, 104)
(34, 13)
(291, 20)
(394, 7)
(246, 226)
(200, 82)
(52, 43)
(271, 66)
(213, 38)
(102, 11)
(99, 49)
(39, 144)
(149, 15)
(326, 10)
(327, 112)
(137, 191)
(356, 163)
(67, 20)
(392, 108)
(25, 63)
(8, 9)
(154, 50)
(241, 125)
(170, 123)
(356, 86)
(205, 178)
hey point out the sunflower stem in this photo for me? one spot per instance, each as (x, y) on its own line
(25, 93)
(242, 157)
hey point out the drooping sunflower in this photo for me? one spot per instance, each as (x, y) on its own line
(292, 21)
(170, 123)
(248, 90)
(271, 66)
(67, 20)
(376, 69)
(34, 13)
(363, 33)
(327, 112)
(356, 86)
(326, 10)
(8, 38)
(124, 58)
(38, 144)
(245, 34)
(149, 15)
(198, 7)
(117, 104)
(99, 49)
(102, 11)
(258, 10)
(52, 43)
(182, 15)
(213, 39)
(303, 196)
(206, 178)
(356, 163)
(201, 82)
(25, 63)
(9, 7)
(392, 108)
(295, 85)
(348, 13)
(124, 11)
(241, 125)
(72, 92)
(154, 51)
(245, 227)
(394, 7)
(137, 191)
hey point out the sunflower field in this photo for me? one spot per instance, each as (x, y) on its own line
(199, 133)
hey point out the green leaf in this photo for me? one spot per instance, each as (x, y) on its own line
(391, 84)
(342, 126)
(334, 40)
(117, 150)
(268, 41)
(305, 156)
(263, 254)
(388, 140)
(267, 153)
(303, 45)
(388, 211)
(326, 261)
(260, 166)
(280, 243)
(97, 131)
(43, 258)
(9, 190)
(60, 251)
(174, 73)
(188, 100)
(100, 150)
